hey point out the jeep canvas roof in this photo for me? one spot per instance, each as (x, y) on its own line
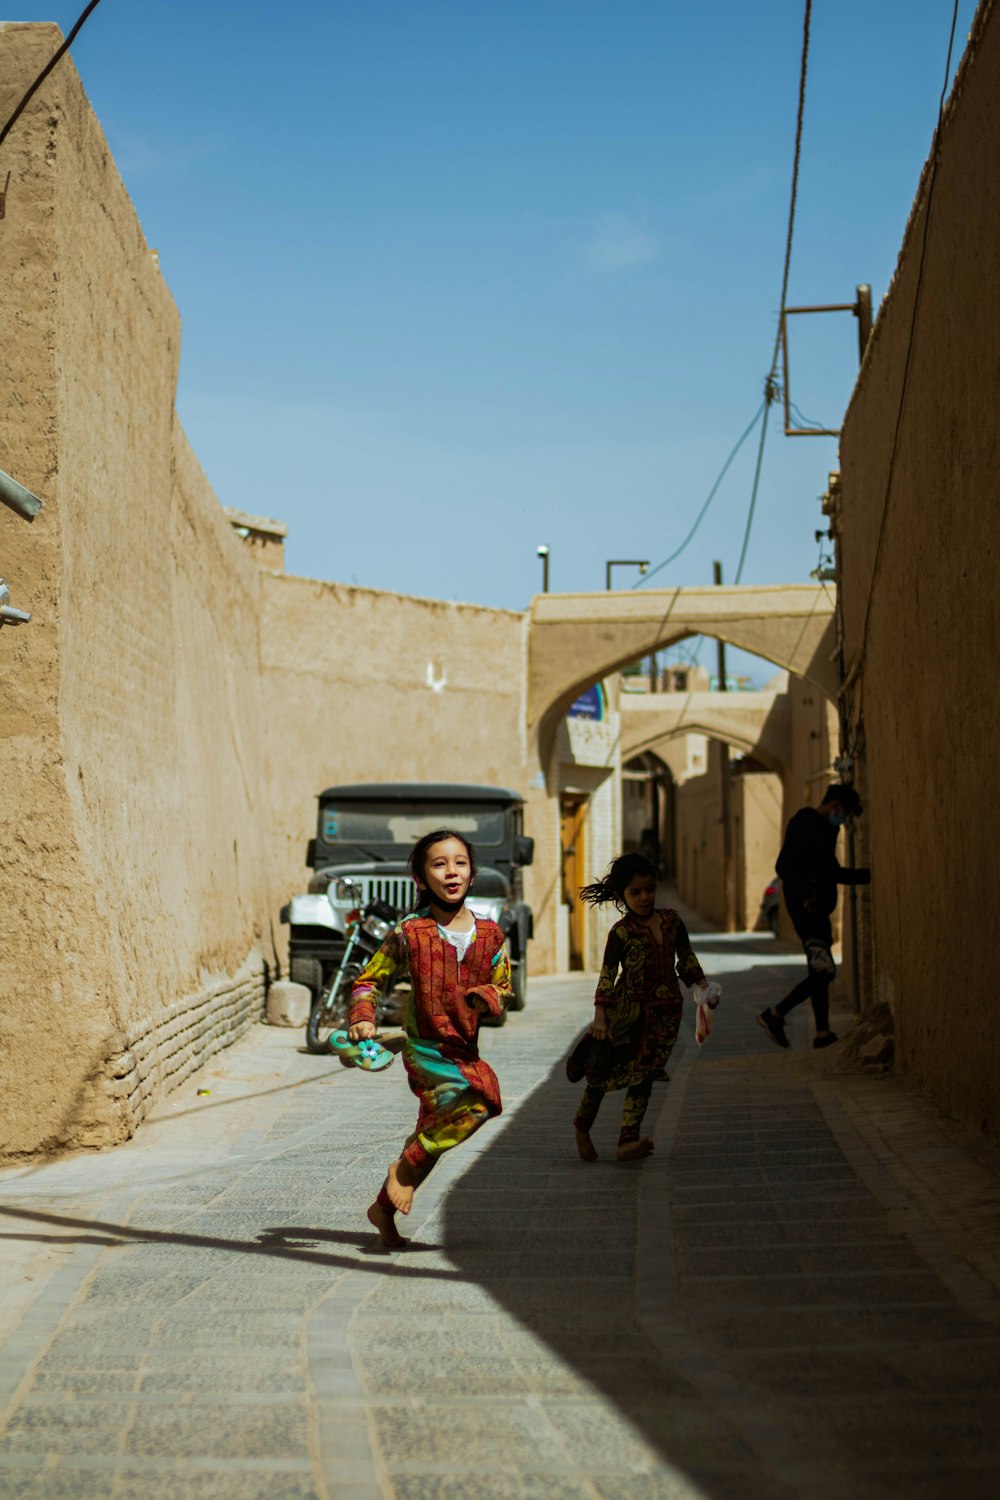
(420, 791)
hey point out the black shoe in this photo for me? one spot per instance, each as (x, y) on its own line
(825, 1041)
(774, 1026)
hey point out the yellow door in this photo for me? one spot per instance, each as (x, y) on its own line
(573, 809)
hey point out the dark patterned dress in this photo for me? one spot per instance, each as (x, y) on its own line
(642, 998)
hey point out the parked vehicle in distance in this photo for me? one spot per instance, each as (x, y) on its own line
(367, 929)
(364, 834)
(770, 908)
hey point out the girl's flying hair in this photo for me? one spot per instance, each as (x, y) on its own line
(418, 858)
(621, 872)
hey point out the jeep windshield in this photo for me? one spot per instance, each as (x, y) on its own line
(382, 823)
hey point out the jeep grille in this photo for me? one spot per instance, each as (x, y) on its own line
(398, 890)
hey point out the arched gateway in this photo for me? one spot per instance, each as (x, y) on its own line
(577, 639)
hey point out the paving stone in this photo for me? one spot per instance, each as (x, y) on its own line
(67, 1428)
(816, 1372)
(55, 1484)
(706, 1295)
(202, 1484)
(210, 1431)
(488, 1486)
(474, 1437)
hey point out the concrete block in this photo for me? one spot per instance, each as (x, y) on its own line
(288, 1004)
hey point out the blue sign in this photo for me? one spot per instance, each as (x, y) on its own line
(589, 705)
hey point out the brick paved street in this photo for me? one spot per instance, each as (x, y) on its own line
(796, 1296)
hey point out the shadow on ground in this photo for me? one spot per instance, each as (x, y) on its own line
(830, 1346)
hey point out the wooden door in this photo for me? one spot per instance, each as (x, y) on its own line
(573, 814)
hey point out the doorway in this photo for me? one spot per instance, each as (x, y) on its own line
(572, 826)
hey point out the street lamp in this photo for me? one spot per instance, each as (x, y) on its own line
(543, 553)
(623, 562)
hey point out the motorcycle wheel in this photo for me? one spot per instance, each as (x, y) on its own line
(519, 983)
(329, 1011)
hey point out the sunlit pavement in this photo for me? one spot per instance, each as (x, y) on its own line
(795, 1296)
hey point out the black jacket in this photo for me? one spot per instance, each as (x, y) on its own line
(808, 864)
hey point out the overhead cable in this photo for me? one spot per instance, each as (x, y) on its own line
(770, 383)
(47, 70)
(711, 496)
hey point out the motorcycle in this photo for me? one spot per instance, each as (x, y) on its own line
(367, 929)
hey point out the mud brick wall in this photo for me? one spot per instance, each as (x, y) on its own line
(134, 808)
(922, 699)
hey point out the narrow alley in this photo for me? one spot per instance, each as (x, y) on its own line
(795, 1296)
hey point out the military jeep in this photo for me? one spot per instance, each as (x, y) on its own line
(364, 834)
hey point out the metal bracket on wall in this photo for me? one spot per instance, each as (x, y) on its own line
(862, 310)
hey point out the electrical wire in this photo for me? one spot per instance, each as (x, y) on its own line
(770, 383)
(68, 42)
(857, 669)
(711, 496)
(803, 420)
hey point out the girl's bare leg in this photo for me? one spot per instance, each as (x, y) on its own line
(635, 1150)
(632, 1146)
(585, 1117)
(400, 1185)
(385, 1223)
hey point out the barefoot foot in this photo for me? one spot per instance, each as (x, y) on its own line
(635, 1150)
(584, 1144)
(400, 1193)
(386, 1226)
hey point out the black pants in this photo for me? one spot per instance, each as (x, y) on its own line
(817, 936)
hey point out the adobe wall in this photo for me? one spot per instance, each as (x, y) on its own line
(756, 807)
(924, 709)
(368, 686)
(134, 883)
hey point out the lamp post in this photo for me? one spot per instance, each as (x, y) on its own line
(642, 563)
(726, 785)
(543, 553)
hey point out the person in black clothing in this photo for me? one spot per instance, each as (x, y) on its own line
(810, 874)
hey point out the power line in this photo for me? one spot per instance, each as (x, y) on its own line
(47, 70)
(770, 384)
(711, 496)
(931, 180)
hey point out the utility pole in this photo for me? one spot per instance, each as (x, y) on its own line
(728, 865)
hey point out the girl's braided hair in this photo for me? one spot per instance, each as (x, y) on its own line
(621, 872)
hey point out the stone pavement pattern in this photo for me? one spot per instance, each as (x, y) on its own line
(796, 1296)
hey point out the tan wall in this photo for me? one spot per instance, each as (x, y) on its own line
(930, 705)
(756, 805)
(757, 834)
(134, 881)
(369, 686)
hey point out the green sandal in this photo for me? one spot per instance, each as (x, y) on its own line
(369, 1054)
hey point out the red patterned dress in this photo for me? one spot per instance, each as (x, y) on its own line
(458, 1091)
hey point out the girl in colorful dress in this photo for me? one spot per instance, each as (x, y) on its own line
(458, 970)
(637, 1008)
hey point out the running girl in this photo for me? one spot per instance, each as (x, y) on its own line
(458, 970)
(639, 1011)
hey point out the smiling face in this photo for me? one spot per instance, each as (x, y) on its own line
(447, 871)
(640, 895)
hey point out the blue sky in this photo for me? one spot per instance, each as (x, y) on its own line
(459, 277)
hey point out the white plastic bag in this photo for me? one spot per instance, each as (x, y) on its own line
(706, 997)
